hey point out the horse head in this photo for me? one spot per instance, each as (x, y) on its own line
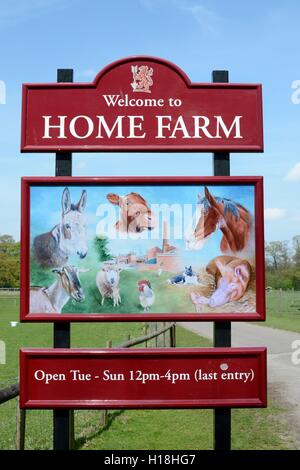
(135, 214)
(224, 214)
(206, 223)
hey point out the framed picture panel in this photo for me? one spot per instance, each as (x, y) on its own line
(142, 249)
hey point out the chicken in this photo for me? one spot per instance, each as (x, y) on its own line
(147, 295)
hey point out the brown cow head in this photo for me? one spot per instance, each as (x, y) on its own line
(135, 214)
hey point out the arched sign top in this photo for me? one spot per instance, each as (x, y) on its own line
(140, 60)
(144, 104)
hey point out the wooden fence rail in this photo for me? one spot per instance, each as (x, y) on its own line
(9, 393)
(12, 391)
(155, 334)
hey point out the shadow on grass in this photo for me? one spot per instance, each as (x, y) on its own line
(79, 442)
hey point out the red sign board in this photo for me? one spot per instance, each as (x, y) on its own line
(142, 104)
(155, 378)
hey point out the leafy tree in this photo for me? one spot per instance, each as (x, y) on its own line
(296, 257)
(101, 246)
(9, 262)
(277, 255)
(296, 245)
(285, 254)
(6, 239)
(296, 242)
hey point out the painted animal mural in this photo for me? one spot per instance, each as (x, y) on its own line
(234, 221)
(232, 276)
(188, 277)
(135, 214)
(107, 281)
(53, 248)
(146, 294)
(52, 299)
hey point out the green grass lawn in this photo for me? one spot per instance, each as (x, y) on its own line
(132, 429)
(283, 310)
(181, 429)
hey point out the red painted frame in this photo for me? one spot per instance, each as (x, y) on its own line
(142, 148)
(27, 182)
(187, 353)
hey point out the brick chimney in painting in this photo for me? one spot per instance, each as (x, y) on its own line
(165, 238)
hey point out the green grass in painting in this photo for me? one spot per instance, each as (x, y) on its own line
(168, 298)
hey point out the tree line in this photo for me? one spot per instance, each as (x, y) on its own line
(282, 262)
(9, 262)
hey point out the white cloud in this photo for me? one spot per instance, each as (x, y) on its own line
(274, 213)
(294, 173)
(208, 19)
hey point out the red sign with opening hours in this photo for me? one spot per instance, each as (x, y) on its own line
(139, 378)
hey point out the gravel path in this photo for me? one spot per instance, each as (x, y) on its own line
(283, 375)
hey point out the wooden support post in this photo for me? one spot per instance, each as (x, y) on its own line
(146, 332)
(63, 420)
(20, 428)
(104, 413)
(173, 336)
(222, 330)
(72, 429)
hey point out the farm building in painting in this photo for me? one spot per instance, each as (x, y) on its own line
(165, 258)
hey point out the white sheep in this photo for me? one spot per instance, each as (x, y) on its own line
(107, 281)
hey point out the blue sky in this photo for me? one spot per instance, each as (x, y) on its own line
(257, 42)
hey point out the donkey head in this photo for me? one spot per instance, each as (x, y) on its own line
(72, 227)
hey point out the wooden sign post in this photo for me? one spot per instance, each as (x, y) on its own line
(145, 104)
(222, 331)
(63, 420)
